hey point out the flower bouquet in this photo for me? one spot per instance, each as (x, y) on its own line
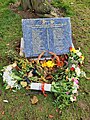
(59, 75)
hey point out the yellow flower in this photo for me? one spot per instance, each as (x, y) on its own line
(50, 63)
(72, 50)
(44, 64)
(24, 84)
(82, 57)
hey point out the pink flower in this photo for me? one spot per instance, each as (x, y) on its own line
(73, 98)
(73, 79)
(76, 81)
(67, 93)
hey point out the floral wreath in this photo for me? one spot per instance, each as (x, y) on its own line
(61, 72)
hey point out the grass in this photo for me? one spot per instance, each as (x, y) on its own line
(19, 106)
(63, 6)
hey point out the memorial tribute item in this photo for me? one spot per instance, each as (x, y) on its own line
(46, 34)
(60, 74)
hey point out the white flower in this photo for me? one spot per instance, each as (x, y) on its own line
(79, 53)
(73, 98)
(73, 65)
(83, 74)
(8, 78)
(9, 68)
(77, 70)
(5, 75)
(75, 86)
(74, 91)
(11, 83)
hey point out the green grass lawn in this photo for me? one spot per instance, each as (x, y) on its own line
(19, 105)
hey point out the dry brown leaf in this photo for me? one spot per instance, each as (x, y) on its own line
(49, 77)
(30, 74)
(27, 88)
(3, 112)
(17, 4)
(34, 100)
(51, 116)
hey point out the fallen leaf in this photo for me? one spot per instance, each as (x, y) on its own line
(51, 116)
(16, 98)
(30, 74)
(49, 77)
(6, 101)
(17, 4)
(14, 90)
(3, 112)
(34, 100)
(27, 88)
(57, 110)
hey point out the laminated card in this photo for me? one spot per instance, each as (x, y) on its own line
(46, 34)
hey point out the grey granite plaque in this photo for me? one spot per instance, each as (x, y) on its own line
(46, 34)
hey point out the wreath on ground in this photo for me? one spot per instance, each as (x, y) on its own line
(61, 72)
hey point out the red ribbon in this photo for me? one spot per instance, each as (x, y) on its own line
(43, 90)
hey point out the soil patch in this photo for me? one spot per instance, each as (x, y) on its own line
(83, 106)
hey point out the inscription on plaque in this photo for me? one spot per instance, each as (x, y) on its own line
(46, 34)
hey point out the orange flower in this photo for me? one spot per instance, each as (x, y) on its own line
(60, 63)
(72, 49)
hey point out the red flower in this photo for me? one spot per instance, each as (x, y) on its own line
(72, 68)
(60, 63)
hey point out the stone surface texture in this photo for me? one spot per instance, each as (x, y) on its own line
(46, 34)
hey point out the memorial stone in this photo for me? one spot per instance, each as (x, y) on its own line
(46, 34)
